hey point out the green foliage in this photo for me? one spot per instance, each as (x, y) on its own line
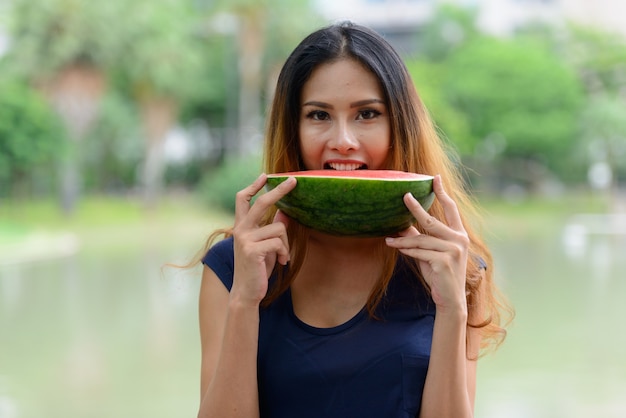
(212, 96)
(543, 94)
(288, 22)
(220, 186)
(599, 58)
(163, 53)
(603, 125)
(113, 148)
(518, 102)
(503, 99)
(47, 35)
(258, 35)
(155, 45)
(518, 91)
(450, 28)
(429, 78)
(31, 139)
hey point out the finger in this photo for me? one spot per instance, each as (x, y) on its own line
(429, 223)
(282, 252)
(244, 196)
(419, 254)
(409, 232)
(420, 241)
(265, 201)
(278, 245)
(266, 249)
(269, 239)
(252, 214)
(450, 208)
(282, 218)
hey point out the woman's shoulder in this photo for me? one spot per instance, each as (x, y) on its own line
(223, 247)
(220, 259)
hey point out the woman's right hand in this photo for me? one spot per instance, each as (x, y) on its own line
(257, 247)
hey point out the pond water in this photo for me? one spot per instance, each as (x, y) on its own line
(89, 336)
(95, 335)
(565, 355)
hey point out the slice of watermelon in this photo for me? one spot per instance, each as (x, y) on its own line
(364, 203)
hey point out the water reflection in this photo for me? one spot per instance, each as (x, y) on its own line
(96, 336)
(564, 354)
(7, 406)
(582, 228)
(114, 335)
(10, 289)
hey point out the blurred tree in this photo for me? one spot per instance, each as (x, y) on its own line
(63, 47)
(520, 101)
(450, 28)
(429, 78)
(31, 140)
(68, 47)
(263, 32)
(113, 148)
(603, 125)
(164, 70)
(599, 58)
(288, 22)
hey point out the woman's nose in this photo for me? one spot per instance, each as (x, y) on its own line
(344, 139)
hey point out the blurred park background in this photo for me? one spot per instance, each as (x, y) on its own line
(127, 127)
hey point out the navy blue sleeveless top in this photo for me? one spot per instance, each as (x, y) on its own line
(363, 368)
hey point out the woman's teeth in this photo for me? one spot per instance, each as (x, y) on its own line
(345, 166)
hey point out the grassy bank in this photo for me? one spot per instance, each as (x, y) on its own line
(103, 223)
(114, 223)
(534, 216)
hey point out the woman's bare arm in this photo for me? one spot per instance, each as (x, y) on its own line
(229, 321)
(442, 253)
(229, 337)
(450, 388)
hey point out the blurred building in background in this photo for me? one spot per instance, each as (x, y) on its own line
(399, 20)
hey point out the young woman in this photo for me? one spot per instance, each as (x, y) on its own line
(298, 323)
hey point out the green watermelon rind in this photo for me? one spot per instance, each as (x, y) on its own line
(359, 207)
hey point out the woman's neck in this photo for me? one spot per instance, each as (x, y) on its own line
(343, 245)
(336, 278)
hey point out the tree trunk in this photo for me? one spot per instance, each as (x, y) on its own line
(158, 115)
(75, 94)
(250, 42)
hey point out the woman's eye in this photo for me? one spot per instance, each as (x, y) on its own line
(368, 114)
(317, 115)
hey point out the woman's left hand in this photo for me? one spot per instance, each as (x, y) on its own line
(441, 251)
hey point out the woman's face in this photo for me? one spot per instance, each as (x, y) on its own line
(344, 124)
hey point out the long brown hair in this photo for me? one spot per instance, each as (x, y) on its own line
(415, 147)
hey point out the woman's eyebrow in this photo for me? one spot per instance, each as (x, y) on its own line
(366, 102)
(317, 104)
(354, 104)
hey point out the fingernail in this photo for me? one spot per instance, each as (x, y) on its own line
(389, 240)
(414, 199)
